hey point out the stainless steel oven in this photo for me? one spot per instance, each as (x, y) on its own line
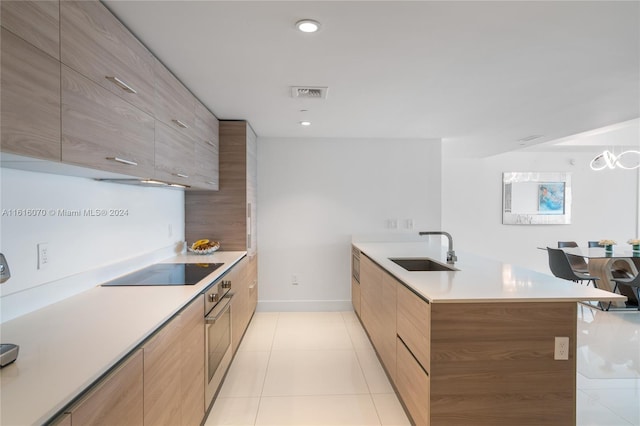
(217, 336)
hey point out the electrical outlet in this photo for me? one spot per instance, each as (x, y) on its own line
(408, 223)
(294, 279)
(43, 255)
(561, 349)
(392, 223)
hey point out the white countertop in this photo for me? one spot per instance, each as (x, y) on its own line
(67, 346)
(478, 279)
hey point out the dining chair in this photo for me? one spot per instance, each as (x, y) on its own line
(633, 282)
(561, 268)
(578, 264)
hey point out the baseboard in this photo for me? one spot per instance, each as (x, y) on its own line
(304, 306)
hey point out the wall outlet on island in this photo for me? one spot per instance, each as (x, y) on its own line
(561, 351)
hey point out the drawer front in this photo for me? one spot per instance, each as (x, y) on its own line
(387, 324)
(413, 385)
(174, 155)
(97, 45)
(117, 400)
(30, 100)
(414, 325)
(101, 131)
(37, 22)
(174, 104)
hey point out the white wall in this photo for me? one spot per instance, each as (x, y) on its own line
(314, 194)
(605, 205)
(85, 250)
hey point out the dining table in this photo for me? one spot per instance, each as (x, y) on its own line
(603, 264)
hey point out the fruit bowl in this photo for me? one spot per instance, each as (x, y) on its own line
(208, 249)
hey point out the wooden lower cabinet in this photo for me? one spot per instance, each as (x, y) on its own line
(193, 381)
(116, 400)
(378, 311)
(414, 325)
(162, 376)
(252, 280)
(355, 295)
(412, 382)
(245, 298)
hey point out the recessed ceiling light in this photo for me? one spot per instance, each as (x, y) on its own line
(308, 25)
(305, 123)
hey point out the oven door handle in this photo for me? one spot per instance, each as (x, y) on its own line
(222, 310)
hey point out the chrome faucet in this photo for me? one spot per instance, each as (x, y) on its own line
(451, 255)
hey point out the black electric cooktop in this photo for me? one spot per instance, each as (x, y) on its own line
(167, 274)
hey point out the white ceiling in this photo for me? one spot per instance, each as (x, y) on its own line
(481, 75)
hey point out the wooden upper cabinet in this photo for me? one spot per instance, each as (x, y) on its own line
(30, 97)
(228, 215)
(174, 104)
(174, 155)
(207, 149)
(96, 44)
(37, 22)
(116, 400)
(103, 132)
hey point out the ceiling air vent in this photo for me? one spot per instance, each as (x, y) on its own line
(309, 92)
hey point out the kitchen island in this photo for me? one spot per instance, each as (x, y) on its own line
(68, 346)
(476, 345)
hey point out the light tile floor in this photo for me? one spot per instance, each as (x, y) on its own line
(306, 368)
(318, 368)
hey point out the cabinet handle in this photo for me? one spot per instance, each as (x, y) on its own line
(121, 84)
(182, 175)
(180, 123)
(123, 161)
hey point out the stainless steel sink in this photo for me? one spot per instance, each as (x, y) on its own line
(421, 264)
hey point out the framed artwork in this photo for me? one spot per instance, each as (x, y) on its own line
(536, 198)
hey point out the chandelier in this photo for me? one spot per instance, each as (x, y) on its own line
(627, 160)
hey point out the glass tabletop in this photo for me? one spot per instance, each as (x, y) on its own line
(619, 252)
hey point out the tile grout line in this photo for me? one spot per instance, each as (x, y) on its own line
(266, 371)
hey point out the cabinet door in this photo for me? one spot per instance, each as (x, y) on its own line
(37, 22)
(370, 287)
(193, 382)
(162, 376)
(101, 131)
(252, 190)
(240, 304)
(30, 97)
(97, 45)
(117, 400)
(252, 280)
(174, 104)
(207, 149)
(387, 334)
(355, 295)
(414, 325)
(413, 386)
(174, 155)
